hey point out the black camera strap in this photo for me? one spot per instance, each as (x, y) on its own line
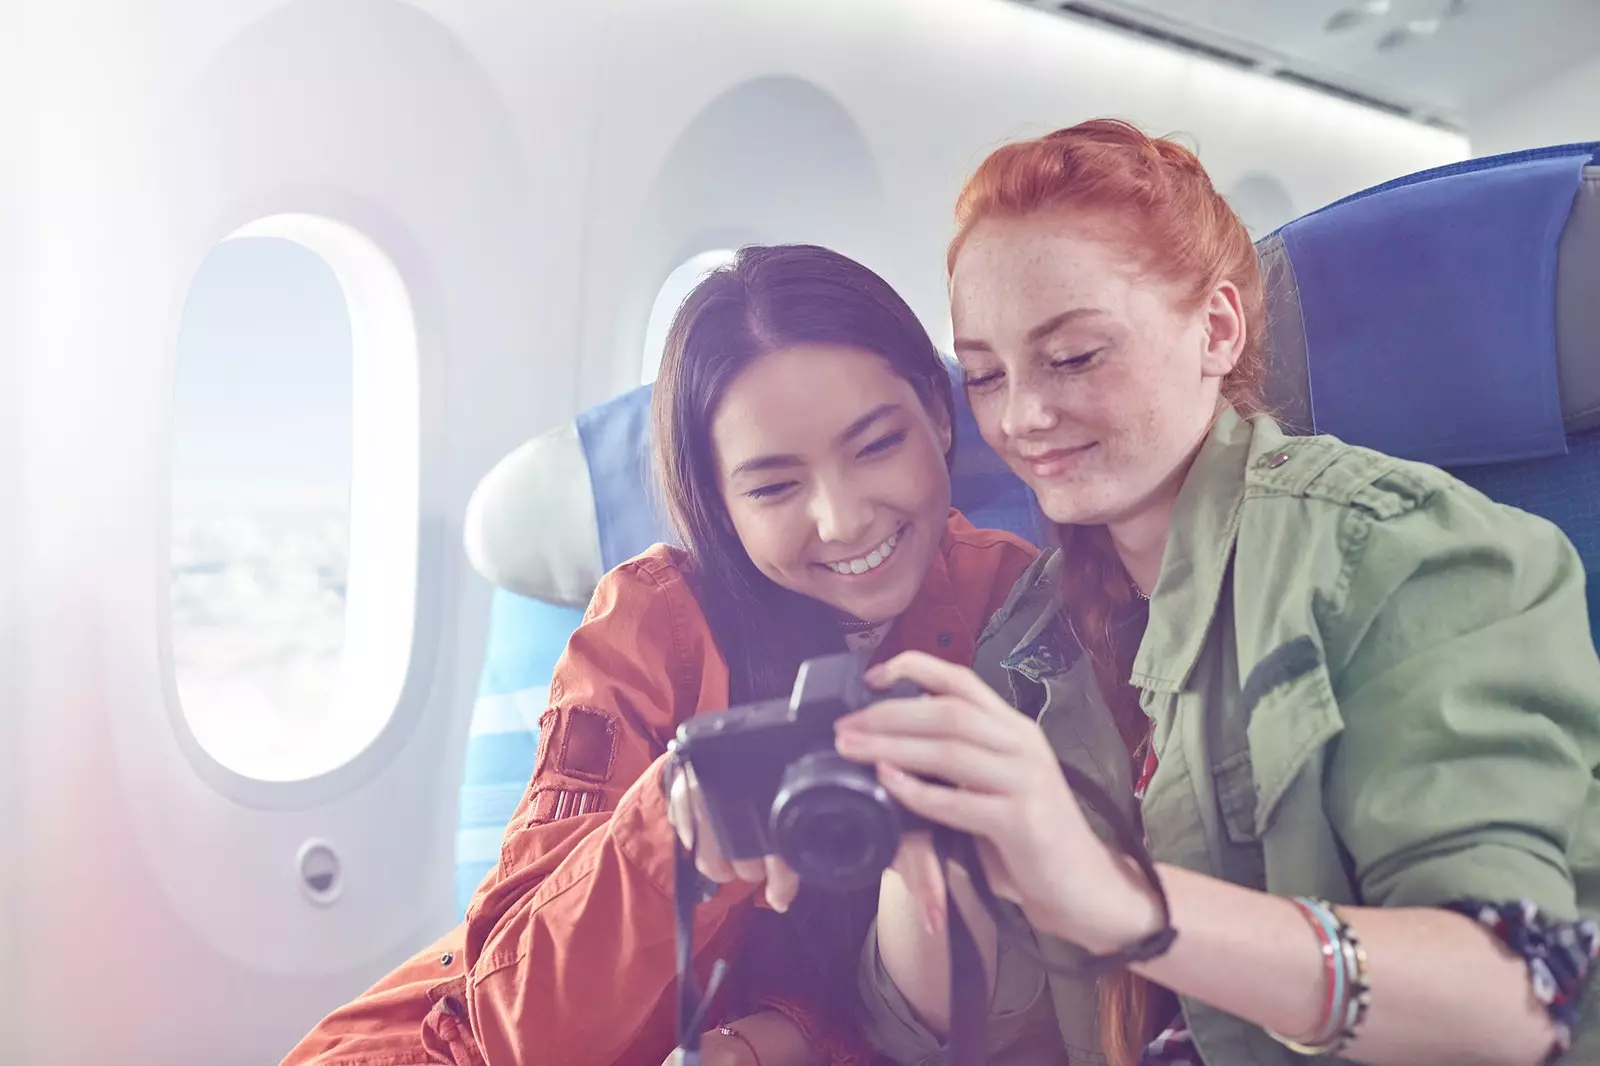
(690, 888)
(969, 1001)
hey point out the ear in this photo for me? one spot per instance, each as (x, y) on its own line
(942, 430)
(1225, 331)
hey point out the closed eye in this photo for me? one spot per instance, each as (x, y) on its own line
(1075, 362)
(766, 492)
(884, 443)
(979, 381)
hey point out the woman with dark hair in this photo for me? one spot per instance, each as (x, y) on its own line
(803, 423)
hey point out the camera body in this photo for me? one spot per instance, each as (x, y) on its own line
(773, 784)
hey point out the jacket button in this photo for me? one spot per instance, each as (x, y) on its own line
(447, 958)
(1276, 460)
(946, 639)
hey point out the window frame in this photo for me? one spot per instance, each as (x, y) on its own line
(386, 583)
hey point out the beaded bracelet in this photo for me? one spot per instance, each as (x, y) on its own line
(728, 1030)
(1349, 992)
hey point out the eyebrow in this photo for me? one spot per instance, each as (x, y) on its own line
(1037, 333)
(853, 430)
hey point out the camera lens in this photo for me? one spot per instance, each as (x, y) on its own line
(833, 823)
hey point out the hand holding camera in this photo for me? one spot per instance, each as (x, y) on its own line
(846, 779)
(780, 802)
(964, 758)
(686, 810)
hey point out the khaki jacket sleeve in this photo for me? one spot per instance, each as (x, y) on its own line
(1470, 695)
(570, 946)
(1020, 1028)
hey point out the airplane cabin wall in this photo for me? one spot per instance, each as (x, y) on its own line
(1561, 109)
(928, 86)
(532, 172)
(11, 812)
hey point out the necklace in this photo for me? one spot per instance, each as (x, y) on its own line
(1138, 592)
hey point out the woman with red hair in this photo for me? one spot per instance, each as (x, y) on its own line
(1353, 702)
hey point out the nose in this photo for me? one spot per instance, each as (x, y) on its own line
(1025, 410)
(842, 513)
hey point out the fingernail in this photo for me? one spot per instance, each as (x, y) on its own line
(932, 919)
(875, 675)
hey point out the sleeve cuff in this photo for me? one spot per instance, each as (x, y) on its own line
(645, 837)
(1560, 955)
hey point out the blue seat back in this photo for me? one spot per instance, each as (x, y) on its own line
(1451, 317)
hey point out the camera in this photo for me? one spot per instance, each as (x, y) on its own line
(773, 784)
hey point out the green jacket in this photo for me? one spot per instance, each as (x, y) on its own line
(1369, 683)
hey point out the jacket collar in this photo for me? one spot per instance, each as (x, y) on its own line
(935, 621)
(1200, 544)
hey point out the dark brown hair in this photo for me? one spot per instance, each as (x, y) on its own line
(768, 299)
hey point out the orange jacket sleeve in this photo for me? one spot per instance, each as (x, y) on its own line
(570, 945)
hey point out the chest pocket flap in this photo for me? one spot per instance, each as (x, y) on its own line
(1292, 714)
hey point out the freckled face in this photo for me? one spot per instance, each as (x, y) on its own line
(1092, 379)
(834, 476)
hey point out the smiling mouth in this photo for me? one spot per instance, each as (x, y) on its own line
(870, 561)
(1051, 463)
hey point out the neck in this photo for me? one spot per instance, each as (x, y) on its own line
(1140, 542)
(1141, 537)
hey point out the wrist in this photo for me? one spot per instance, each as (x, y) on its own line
(1125, 909)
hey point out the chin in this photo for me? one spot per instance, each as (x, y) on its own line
(876, 607)
(1066, 507)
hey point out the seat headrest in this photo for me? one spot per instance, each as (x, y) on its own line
(530, 524)
(569, 505)
(1448, 316)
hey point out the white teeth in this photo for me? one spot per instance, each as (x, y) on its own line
(871, 561)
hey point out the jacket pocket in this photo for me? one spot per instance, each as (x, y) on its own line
(446, 1033)
(1236, 796)
(1292, 715)
(1242, 854)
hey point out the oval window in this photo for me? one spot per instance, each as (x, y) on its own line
(679, 284)
(294, 498)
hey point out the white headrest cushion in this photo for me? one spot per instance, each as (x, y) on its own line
(530, 525)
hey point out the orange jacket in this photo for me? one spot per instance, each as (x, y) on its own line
(566, 957)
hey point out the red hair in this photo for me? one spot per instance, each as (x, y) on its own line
(1165, 210)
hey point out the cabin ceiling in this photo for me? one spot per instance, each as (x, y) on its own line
(1436, 60)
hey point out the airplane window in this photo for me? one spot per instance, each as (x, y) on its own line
(293, 544)
(673, 292)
